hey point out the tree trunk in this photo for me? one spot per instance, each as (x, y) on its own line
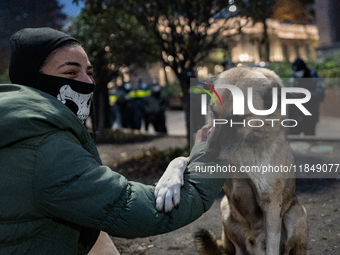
(186, 106)
(266, 41)
(101, 110)
(191, 104)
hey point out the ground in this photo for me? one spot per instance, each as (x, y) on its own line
(320, 197)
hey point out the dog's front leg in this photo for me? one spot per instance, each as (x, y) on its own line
(167, 192)
(273, 219)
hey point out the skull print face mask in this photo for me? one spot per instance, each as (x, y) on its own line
(76, 95)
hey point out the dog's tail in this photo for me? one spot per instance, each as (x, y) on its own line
(207, 244)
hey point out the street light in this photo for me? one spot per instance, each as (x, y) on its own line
(244, 57)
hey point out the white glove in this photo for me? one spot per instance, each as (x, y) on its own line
(167, 192)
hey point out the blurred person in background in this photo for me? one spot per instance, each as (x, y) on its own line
(155, 107)
(124, 103)
(138, 97)
(115, 111)
(303, 77)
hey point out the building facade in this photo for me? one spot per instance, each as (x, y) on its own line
(286, 42)
(327, 18)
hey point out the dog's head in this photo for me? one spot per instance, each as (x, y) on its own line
(230, 131)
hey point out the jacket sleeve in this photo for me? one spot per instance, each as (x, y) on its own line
(69, 184)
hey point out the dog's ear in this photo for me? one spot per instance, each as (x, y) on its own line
(268, 95)
(211, 81)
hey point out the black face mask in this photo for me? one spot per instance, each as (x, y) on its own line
(76, 95)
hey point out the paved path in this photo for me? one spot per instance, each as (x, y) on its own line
(328, 127)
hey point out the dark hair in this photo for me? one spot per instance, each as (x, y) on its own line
(63, 45)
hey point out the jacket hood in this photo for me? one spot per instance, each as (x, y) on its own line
(26, 112)
(29, 49)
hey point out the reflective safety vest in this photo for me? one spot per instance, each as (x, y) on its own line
(113, 98)
(139, 93)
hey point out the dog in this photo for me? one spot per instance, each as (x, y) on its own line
(260, 212)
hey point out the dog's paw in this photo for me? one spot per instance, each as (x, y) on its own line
(168, 188)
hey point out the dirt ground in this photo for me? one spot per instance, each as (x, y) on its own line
(320, 196)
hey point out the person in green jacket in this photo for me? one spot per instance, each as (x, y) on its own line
(55, 194)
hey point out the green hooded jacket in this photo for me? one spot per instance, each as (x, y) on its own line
(55, 195)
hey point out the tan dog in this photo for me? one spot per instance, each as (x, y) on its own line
(260, 212)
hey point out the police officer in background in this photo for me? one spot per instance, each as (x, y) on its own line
(124, 104)
(303, 77)
(115, 111)
(138, 97)
(155, 106)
